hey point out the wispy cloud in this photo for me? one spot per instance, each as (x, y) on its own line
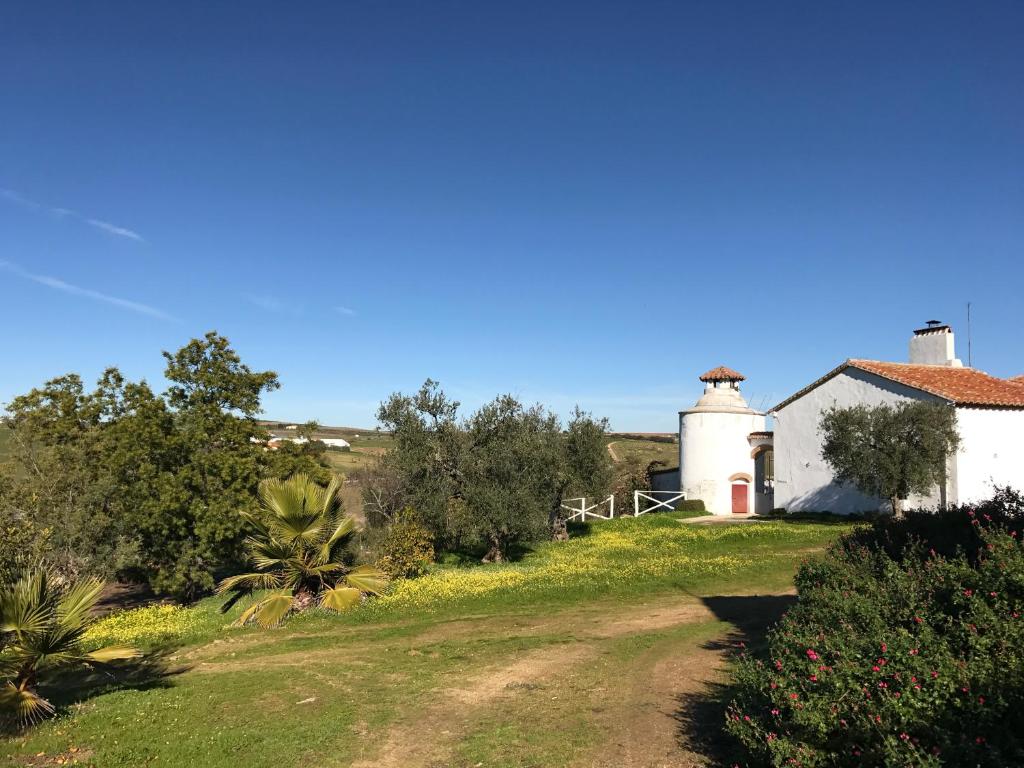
(88, 293)
(345, 311)
(103, 226)
(268, 303)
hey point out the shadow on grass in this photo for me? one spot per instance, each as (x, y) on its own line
(818, 518)
(701, 715)
(66, 687)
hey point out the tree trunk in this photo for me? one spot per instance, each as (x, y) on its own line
(897, 507)
(559, 529)
(496, 552)
(303, 600)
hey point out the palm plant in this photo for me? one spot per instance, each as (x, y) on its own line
(42, 622)
(296, 547)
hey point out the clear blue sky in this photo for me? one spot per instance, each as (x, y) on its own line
(575, 202)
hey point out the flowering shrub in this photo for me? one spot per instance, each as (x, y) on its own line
(142, 626)
(895, 655)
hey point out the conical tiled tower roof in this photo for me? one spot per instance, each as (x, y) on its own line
(721, 373)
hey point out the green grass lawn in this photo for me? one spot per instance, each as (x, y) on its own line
(541, 662)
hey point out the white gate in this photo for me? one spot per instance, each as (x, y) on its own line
(664, 502)
(580, 511)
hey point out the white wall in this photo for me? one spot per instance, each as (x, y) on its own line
(712, 447)
(991, 452)
(803, 481)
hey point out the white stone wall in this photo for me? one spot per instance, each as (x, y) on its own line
(803, 481)
(713, 447)
(991, 452)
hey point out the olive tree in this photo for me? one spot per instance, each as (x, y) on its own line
(890, 451)
(493, 479)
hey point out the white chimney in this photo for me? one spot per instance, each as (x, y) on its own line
(933, 345)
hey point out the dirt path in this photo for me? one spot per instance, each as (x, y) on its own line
(612, 453)
(638, 699)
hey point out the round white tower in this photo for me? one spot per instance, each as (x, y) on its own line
(715, 462)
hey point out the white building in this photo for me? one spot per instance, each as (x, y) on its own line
(335, 442)
(723, 448)
(990, 420)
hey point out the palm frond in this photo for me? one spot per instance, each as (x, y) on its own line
(268, 612)
(76, 604)
(248, 582)
(340, 598)
(343, 528)
(113, 653)
(367, 578)
(25, 704)
(28, 605)
(270, 553)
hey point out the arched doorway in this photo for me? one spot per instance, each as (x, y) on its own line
(764, 478)
(740, 493)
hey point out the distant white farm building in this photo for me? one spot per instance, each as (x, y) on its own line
(331, 442)
(731, 462)
(335, 442)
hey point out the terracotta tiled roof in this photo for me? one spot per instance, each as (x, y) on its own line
(961, 386)
(1017, 379)
(721, 373)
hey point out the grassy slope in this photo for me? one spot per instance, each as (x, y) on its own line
(520, 666)
(644, 451)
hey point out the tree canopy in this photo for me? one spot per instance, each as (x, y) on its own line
(890, 451)
(492, 479)
(124, 481)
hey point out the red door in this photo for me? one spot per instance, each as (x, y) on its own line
(739, 498)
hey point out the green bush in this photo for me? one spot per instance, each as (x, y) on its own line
(406, 548)
(690, 505)
(898, 652)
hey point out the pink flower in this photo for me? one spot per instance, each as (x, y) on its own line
(968, 592)
(775, 711)
(876, 668)
(934, 674)
(918, 620)
(812, 654)
(885, 648)
(813, 678)
(913, 651)
(793, 696)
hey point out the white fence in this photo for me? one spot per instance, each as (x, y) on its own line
(658, 500)
(580, 511)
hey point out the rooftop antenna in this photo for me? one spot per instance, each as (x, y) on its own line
(970, 360)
